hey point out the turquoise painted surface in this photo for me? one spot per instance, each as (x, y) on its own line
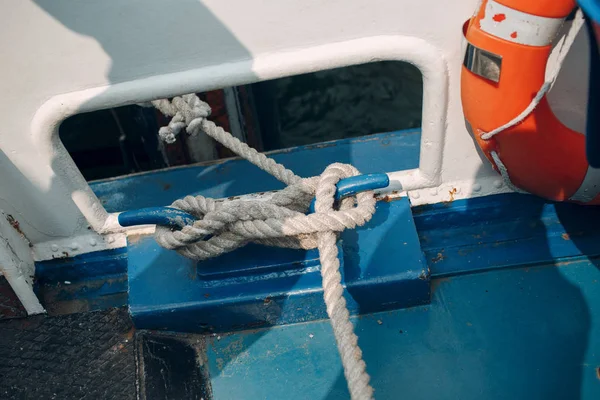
(530, 333)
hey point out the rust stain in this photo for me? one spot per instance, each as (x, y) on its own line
(452, 193)
(267, 301)
(435, 283)
(439, 257)
(598, 372)
(499, 17)
(565, 236)
(193, 272)
(206, 295)
(389, 197)
(562, 264)
(513, 35)
(166, 186)
(129, 334)
(15, 224)
(134, 238)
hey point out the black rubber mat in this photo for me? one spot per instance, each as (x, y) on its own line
(98, 355)
(79, 356)
(173, 367)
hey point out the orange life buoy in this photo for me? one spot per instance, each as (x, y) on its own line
(508, 45)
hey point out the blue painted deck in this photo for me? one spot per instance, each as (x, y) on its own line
(529, 333)
(88, 282)
(514, 283)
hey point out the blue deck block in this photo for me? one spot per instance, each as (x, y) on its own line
(383, 269)
(504, 231)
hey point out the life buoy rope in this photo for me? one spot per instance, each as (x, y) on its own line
(564, 47)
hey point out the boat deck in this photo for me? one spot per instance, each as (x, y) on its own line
(526, 333)
(499, 297)
(531, 332)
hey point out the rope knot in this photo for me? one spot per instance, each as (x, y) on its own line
(188, 112)
(274, 219)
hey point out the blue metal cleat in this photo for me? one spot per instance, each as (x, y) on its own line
(169, 216)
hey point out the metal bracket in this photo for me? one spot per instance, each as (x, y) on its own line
(483, 63)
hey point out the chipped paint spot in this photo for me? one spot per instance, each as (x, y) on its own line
(15, 224)
(439, 257)
(513, 35)
(499, 17)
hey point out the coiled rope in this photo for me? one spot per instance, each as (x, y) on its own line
(279, 220)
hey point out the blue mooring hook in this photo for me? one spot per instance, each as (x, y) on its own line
(176, 218)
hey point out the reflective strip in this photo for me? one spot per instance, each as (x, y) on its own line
(519, 27)
(590, 187)
(483, 63)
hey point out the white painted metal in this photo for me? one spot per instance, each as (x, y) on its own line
(569, 95)
(16, 265)
(519, 27)
(234, 113)
(589, 187)
(61, 57)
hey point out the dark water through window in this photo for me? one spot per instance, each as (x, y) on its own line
(305, 109)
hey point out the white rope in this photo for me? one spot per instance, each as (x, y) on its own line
(504, 173)
(551, 76)
(223, 226)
